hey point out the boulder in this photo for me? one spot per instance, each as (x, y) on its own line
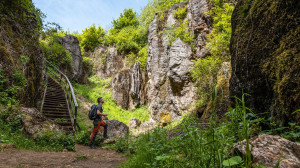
(265, 52)
(116, 129)
(71, 43)
(268, 149)
(35, 123)
(134, 123)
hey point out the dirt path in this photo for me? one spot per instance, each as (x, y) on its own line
(83, 157)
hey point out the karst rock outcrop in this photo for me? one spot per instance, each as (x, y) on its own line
(71, 43)
(107, 61)
(170, 89)
(265, 50)
(129, 88)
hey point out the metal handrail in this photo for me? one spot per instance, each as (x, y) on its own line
(70, 96)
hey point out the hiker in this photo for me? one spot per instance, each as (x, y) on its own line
(98, 121)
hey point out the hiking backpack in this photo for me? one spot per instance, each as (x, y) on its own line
(93, 112)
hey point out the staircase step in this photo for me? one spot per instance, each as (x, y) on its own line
(54, 103)
(55, 98)
(58, 115)
(54, 118)
(54, 109)
(55, 112)
(64, 123)
(47, 106)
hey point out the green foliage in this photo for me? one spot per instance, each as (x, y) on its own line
(204, 74)
(127, 40)
(11, 131)
(233, 161)
(131, 58)
(219, 38)
(142, 57)
(153, 7)
(9, 93)
(55, 52)
(83, 137)
(87, 65)
(291, 132)
(91, 38)
(100, 88)
(180, 31)
(60, 120)
(193, 146)
(180, 13)
(205, 70)
(122, 144)
(127, 18)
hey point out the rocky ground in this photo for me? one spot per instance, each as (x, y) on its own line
(83, 157)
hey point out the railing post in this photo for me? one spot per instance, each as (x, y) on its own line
(75, 123)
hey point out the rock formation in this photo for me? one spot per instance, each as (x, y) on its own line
(200, 24)
(71, 43)
(170, 89)
(20, 52)
(265, 50)
(134, 123)
(268, 149)
(35, 123)
(128, 87)
(107, 61)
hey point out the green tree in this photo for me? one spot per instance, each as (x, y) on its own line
(127, 18)
(91, 38)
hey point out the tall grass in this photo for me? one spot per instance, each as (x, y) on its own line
(194, 146)
(101, 88)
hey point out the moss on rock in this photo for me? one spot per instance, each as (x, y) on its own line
(265, 56)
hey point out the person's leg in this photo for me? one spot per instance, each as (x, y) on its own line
(102, 123)
(94, 134)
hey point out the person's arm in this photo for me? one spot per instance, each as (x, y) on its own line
(99, 113)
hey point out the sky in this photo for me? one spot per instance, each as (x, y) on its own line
(76, 15)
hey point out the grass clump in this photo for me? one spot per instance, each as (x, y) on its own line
(101, 88)
(189, 145)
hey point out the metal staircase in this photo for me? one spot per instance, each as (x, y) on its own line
(59, 102)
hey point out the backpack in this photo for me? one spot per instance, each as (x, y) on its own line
(93, 112)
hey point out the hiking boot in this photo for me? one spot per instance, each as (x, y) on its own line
(92, 146)
(106, 137)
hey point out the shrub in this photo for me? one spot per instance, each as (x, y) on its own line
(205, 70)
(180, 31)
(180, 13)
(204, 73)
(56, 53)
(142, 58)
(10, 93)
